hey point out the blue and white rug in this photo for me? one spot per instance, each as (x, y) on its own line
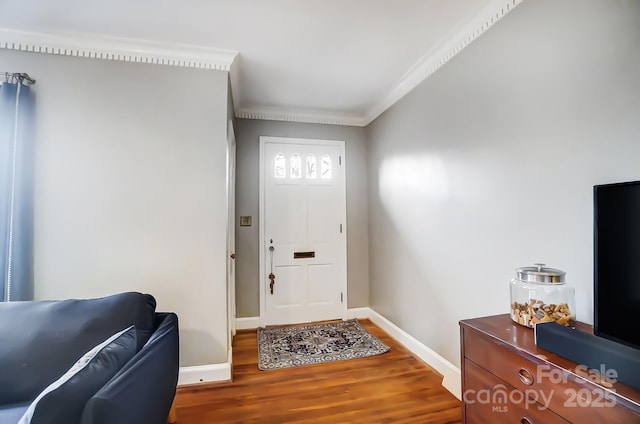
(286, 347)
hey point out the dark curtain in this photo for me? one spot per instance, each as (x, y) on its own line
(16, 191)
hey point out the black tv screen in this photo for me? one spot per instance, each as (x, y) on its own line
(617, 262)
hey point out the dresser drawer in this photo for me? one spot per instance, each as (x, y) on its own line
(491, 400)
(575, 399)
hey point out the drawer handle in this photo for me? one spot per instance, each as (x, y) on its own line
(525, 421)
(526, 377)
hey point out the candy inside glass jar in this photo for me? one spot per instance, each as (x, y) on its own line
(540, 294)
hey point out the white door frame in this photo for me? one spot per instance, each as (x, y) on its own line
(261, 240)
(231, 229)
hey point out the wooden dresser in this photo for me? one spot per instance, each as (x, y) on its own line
(506, 378)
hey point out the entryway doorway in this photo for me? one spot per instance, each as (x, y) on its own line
(303, 254)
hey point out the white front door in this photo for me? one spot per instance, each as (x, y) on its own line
(304, 236)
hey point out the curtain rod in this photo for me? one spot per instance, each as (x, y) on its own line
(17, 76)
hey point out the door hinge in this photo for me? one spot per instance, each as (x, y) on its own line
(340, 228)
(339, 160)
(341, 297)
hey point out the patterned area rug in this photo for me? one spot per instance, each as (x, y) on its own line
(313, 344)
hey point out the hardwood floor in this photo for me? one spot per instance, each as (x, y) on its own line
(394, 387)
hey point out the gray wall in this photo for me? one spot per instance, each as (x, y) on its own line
(130, 179)
(248, 134)
(489, 165)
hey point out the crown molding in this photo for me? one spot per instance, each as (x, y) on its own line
(425, 67)
(441, 54)
(296, 115)
(115, 48)
(192, 56)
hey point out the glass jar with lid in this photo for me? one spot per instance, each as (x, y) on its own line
(540, 294)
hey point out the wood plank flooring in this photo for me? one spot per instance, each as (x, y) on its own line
(394, 387)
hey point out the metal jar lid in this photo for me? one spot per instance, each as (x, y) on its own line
(539, 274)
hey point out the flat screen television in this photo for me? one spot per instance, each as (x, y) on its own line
(617, 262)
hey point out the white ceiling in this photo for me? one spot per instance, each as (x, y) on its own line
(334, 61)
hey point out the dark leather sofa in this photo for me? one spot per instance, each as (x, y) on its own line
(129, 367)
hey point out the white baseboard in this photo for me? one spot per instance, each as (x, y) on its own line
(452, 381)
(451, 373)
(211, 373)
(358, 313)
(248, 323)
